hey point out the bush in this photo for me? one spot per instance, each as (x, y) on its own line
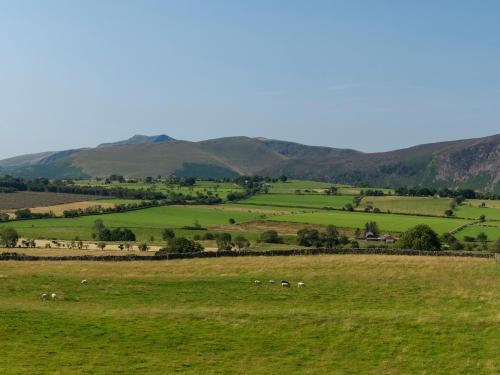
(209, 236)
(469, 239)
(167, 234)
(309, 237)
(224, 241)
(372, 226)
(8, 237)
(270, 236)
(180, 245)
(241, 242)
(420, 237)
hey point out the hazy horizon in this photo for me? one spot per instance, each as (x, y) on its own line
(370, 76)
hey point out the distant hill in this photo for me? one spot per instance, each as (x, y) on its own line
(140, 139)
(469, 163)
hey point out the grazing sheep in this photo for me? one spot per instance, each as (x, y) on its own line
(84, 282)
(257, 282)
(53, 296)
(44, 296)
(301, 284)
(285, 284)
(271, 281)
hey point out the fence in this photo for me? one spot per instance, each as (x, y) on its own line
(219, 254)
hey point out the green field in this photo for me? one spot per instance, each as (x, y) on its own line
(291, 186)
(291, 200)
(357, 315)
(413, 205)
(386, 222)
(144, 223)
(476, 212)
(217, 188)
(491, 229)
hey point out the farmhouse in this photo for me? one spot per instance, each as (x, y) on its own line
(387, 238)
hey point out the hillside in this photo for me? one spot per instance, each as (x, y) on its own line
(470, 163)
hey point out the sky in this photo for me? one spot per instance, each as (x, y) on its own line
(369, 75)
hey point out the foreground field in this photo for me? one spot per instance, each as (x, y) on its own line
(357, 314)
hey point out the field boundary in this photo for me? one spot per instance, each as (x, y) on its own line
(220, 254)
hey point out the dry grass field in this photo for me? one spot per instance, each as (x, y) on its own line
(30, 199)
(357, 314)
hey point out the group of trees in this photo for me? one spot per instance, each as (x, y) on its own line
(101, 233)
(420, 191)
(8, 237)
(329, 238)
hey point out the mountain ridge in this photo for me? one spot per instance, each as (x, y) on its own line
(467, 163)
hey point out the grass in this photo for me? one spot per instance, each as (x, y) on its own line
(144, 223)
(217, 188)
(475, 212)
(386, 222)
(291, 200)
(491, 229)
(357, 314)
(412, 205)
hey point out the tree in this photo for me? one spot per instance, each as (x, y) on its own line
(497, 245)
(372, 226)
(482, 218)
(232, 221)
(448, 212)
(143, 247)
(241, 242)
(482, 237)
(24, 213)
(331, 236)
(101, 245)
(167, 234)
(309, 237)
(283, 178)
(270, 236)
(332, 190)
(4, 216)
(348, 207)
(420, 237)
(224, 241)
(8, 237)
(181, 245)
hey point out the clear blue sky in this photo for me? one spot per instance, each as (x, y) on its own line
(370, 75)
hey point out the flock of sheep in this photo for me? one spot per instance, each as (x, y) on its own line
(284, 283)
(53, 296)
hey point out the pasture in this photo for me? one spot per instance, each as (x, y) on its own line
(145, 223)
(411, 205)
(299, 200)
(357, 314)
(490, 228)
(386, 222)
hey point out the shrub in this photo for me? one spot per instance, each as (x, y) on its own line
(224, 241)
(372, 226)
(420, 237)
(309, 237)
(8, 237)
(209, 236)
(270, 236)
(241, 242)
(180, 245)
(167, 234)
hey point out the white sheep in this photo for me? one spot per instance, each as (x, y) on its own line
(301, 284)
(271, 281)
(84, 282)
(44, 296)
(53, 296)
(285, 284)
(257, 282)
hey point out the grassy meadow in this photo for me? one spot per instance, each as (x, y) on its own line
(357, 314)
(386, 222)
